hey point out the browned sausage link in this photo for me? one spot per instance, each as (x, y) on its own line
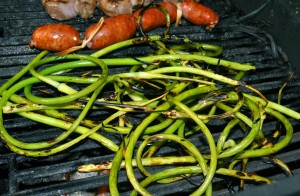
(114, 29)
(55, 37)
(199, 14)
(153, 17)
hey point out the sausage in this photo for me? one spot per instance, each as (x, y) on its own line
(199, 14)
(153, 18)
(55, 37)
(114, 29)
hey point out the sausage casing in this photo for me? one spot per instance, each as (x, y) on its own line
(153, 18)
(55, 37)
(114, 29)
(199, 14)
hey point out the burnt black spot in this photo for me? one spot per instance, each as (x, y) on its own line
(256, 121)
(21, 105)
(51, 141)
(240, 173)
(141, 40)
(240, 95)
(141, 61)
(69, 118)
(154, 139)
(47, 151)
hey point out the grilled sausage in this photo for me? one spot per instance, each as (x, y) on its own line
(199, 14)
(55, 37)
(114, 29)
(153, 18)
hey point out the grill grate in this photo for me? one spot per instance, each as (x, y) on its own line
(50, 176)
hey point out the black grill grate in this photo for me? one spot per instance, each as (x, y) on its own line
(49, 176)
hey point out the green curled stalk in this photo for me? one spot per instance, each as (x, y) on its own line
(63, 66)
(115, 166)
(201, 49)
(184, 170)
(170, 130)
(80, 118)
(74, 96)
(223, 136)
(275, 106)
(243, 175)
(64, 124)
(179, 122)
(6, 137)
(55, 149)
(211, 143)
(228, 113)
(157, 6)
(181, 129)
(247, 140)
(21, 73)
(282, 165)
(151, 38)
(168, 173)
(182, 57)
(196, 71)
(132, 139)
(134, 135)
(148, 76)
(158, 127)
(58, 68)
(207, 74)
(243, 169)
(55, 123)
(173, 160)
(62, 87)
(10, 93)
(178, 92)
(266, 151)
(174, 114)
(190, 148)
(151, 161)
(29, 106)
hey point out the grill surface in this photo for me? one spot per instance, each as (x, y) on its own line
(21, 175)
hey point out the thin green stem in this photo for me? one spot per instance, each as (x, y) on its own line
(21, 73)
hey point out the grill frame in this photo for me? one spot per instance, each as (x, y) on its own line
(17, 170)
